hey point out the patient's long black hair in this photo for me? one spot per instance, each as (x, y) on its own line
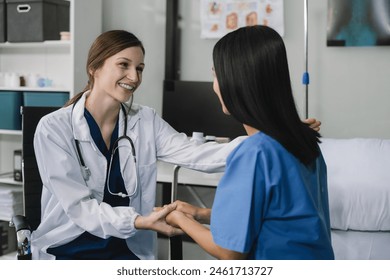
(252, 70)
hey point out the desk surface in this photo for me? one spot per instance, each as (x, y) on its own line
(186, 176)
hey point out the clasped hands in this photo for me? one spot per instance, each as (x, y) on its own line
(167, 219)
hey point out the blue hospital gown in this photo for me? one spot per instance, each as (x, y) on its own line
(271, 206)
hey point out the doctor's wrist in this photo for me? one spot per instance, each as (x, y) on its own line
(140, 222)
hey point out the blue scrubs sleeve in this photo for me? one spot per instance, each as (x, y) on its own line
(238, 205)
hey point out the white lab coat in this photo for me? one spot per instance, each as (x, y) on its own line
(71, 205)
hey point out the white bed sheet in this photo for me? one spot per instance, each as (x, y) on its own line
(361, 245)
(358, 183)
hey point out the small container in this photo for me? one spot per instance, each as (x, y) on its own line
(14, 80)
(210, 138)
(198, 137)
(2, 79)
(32, 80)
(65, 35)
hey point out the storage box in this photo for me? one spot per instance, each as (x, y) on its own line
(3, 21)
(10, 102)
(11, 201)
(36, 20)
(45, 99)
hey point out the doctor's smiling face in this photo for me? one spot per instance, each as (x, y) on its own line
(121, 74)
(114, 67)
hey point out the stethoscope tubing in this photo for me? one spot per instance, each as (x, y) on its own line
(87, 173)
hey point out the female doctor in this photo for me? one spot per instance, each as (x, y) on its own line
(97, 159)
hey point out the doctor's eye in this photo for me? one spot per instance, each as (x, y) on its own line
(140, 69)
(124, 65)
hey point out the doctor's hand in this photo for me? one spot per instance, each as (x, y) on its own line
(202, 215)
(175, 217)
(156, 221)
(313, 124)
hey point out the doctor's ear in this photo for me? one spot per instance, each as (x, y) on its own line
(92, 72)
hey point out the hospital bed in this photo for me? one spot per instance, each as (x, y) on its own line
(359, 197)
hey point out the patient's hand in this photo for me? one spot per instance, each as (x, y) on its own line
(157, 221)
(313, 123)
(202, 215)
(174, 217)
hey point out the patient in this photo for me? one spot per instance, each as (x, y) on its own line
(272, 202)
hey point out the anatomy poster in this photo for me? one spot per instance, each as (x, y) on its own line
(222, 16)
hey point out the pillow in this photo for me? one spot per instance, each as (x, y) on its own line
(358, 183)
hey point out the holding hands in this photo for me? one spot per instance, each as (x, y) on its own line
(189, 219)
(201, 215)
(157, 221)
(177, 211)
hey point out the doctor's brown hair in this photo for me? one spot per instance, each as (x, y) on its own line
(106, 45)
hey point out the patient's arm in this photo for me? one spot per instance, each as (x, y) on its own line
(201, 235)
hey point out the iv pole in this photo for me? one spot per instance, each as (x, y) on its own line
(305, 78)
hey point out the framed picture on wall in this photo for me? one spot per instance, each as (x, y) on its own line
(358, 23)
(222, 16)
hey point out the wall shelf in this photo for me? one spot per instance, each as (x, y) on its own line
(10, 181)
(10, 132)
(40, 89)
(44, 44)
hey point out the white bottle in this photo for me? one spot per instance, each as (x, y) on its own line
(14, 80)
(198, 137)
(2, 79)
(32, 80)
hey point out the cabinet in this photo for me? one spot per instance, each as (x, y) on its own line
(63, 62)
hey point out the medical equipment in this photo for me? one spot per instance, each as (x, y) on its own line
(84, 169)
(305, 77)
(87, 172)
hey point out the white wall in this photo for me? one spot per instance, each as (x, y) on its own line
(146, 19)
(349, 88)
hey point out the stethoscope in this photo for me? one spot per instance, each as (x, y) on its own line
(86, 172)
